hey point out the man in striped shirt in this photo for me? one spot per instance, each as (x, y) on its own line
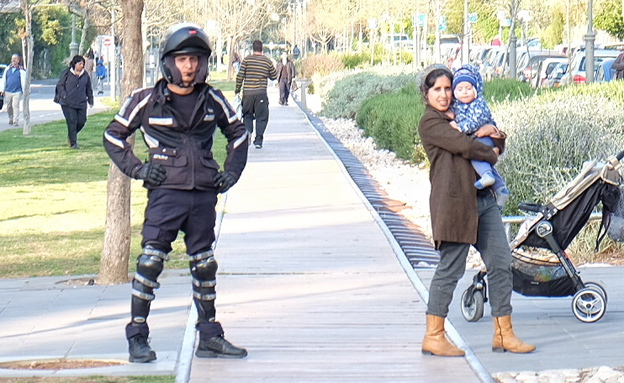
(252, 77)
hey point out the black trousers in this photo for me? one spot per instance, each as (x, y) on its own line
(284, 88)
(256, 107)
(167, 213)
(76, 119)
(170, 211)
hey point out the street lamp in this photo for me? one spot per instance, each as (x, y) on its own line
(590, 37)
(73, 46)
(524, 17)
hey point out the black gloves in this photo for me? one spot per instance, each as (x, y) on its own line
(151, 173)
(224, 181)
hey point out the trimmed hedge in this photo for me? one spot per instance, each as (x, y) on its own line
(391, 120)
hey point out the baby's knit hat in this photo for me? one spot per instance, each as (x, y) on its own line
(464, 74)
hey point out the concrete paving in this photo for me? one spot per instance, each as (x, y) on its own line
(43, 109)
(311, 282)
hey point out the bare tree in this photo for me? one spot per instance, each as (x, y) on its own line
(325, 19)
(116, 251)
(27, 44)
(237, 20)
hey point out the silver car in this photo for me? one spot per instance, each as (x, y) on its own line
(576, 71)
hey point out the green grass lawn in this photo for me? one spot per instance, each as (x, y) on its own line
(53, 205)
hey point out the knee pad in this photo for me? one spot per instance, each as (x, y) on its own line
(204, 272)
(149, 267)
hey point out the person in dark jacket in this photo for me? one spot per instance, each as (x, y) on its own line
(75, 92)
(178, 118)
(461, 216)
(285, 74)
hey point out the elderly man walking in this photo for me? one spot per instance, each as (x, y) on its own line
(12, 87)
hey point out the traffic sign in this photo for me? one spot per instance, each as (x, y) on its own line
(107, 42)
(472, 17)
(420, 20)
(442, 25)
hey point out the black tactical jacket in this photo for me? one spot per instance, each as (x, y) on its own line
(185, 152)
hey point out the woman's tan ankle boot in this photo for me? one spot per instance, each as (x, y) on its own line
(506, 340)
(435, 343)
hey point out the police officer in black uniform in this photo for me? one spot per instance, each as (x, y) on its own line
(177, 118)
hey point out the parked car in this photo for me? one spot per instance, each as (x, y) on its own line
(478, 54)
(553, 80)
(449, 41)
(495, 64)
(544, 68)
(399, 41)
(528, 63)
(617, 46)
(604, 71)
(576, 72)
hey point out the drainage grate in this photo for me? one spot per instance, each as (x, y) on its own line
(411, 239)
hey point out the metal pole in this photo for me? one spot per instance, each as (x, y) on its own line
(73, 46)
(466, 42)
(590, 37)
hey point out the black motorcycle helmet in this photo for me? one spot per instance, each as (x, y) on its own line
(184, 38)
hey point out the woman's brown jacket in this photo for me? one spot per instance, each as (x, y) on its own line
(453, 200)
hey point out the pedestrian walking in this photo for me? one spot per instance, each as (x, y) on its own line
(252, 79)
(100, 73)
(178, 118)
(285, 75)
(89, 63)
(12, 87)
(461, 216)
(74, 91)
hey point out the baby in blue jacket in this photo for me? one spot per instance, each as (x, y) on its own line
(470, 113)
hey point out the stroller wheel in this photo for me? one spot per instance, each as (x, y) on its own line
(588, 305)
(598, 287)
(472, 304)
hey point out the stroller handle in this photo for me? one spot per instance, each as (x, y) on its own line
(620, 155)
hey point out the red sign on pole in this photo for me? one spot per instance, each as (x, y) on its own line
(107, 42)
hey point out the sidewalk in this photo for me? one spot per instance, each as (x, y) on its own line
(43, 109)
(311, 282)
(308, 282)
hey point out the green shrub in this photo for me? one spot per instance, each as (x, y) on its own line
(392, 120)
(355, 60)
(346, 96)
(499, 90)
(551, 135)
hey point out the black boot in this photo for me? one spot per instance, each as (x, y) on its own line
(140, 351)
(219, 347)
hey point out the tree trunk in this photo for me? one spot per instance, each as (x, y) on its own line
(28, 58)
(116, 251)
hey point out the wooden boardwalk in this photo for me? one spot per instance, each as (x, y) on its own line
(308, 281)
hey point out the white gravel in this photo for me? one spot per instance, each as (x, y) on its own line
(410, 184)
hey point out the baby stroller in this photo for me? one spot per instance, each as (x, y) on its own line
(551, 273)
